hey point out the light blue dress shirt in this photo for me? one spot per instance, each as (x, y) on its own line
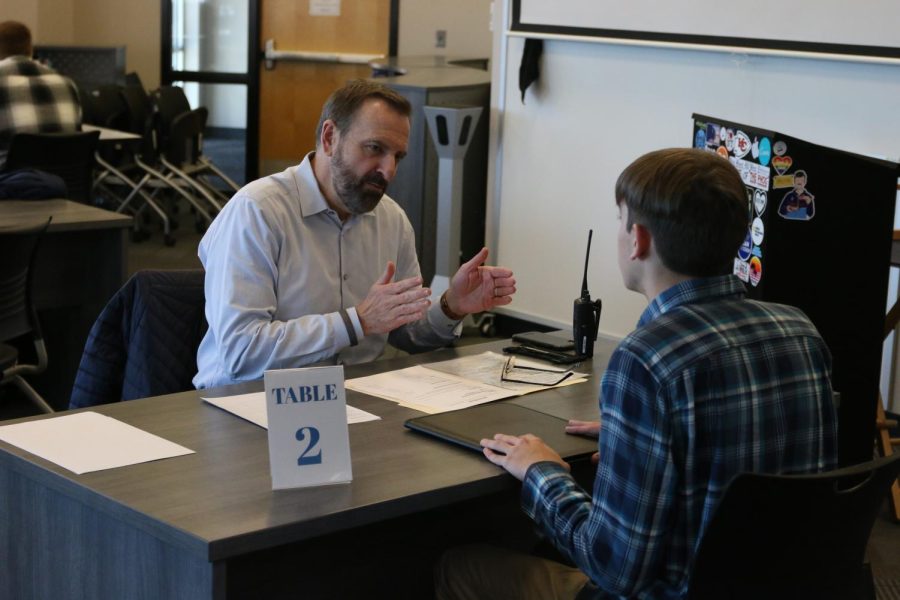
(280, 265)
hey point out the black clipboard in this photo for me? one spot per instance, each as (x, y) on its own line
(467, 427)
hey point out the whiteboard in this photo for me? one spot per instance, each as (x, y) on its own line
(597, 107)
(870, 28)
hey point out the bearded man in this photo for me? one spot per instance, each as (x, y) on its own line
(316, 265)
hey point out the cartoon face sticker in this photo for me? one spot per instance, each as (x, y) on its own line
(799, 203)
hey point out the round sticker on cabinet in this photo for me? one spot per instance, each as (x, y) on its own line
(765, 151)
(759, 201)
(745, 249)
(779, 148)
(757, 231)
(755, 271)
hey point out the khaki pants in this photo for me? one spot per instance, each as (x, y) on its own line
(481, 571)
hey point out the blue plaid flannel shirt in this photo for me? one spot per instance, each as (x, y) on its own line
(707, 386)
(35, 99)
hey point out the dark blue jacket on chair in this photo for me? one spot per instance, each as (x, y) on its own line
(145, 341)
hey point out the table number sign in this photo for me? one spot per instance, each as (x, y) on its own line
(309, 442)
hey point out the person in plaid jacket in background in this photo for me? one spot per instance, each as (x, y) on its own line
(33, 98)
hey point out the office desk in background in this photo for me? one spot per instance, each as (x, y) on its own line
(208, 525)
(111, 135)
(80, 265)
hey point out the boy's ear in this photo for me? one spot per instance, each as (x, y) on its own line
(641, 241)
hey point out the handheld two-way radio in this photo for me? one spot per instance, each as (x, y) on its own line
(586, 315)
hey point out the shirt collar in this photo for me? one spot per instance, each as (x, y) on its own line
(21, 64)
(702, 289)
(312, 201)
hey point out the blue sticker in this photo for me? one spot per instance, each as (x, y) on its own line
(744, 251)
(700, 139)
(765, 151)
(757, 251)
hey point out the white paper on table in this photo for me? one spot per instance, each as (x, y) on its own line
(487, 368)
(88, 441)
(252, 407)
(427, 390)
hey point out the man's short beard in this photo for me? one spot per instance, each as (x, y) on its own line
(352, 190)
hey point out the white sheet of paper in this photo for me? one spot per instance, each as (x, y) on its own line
(488, 366)
(252, 407)
(427, 390)
(88, 441)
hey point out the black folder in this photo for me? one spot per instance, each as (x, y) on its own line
(467, 427)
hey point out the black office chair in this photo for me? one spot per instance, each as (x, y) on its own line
(18, 318)
(181, 142)
(793, 536)
(151, 174)
(105, 107)
(69, 155)
(170, 101)
(144, 343)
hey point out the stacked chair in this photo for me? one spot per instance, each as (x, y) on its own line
(117, 165)
(166, 163)
(182, 147)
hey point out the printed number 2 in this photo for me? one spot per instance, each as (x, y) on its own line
(305, 457)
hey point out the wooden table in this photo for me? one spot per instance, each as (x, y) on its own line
(80, 265)
(208, 525)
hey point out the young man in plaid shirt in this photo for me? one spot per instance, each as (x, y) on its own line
(33, 98)
(708, 385)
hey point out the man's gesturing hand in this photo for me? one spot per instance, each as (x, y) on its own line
(390, 305)
(476, 287)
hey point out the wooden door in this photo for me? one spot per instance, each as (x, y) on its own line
(292, 93)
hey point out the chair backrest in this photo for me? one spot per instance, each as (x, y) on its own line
(69, 155)
(133, 78)
(142, 119)
(171, 101)
(792, 536)
(139, 108)
(106, 108)
(144, 343)
(18, 248)
(184, 144)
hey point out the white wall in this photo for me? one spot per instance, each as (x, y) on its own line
(467, 23)
(599, 106)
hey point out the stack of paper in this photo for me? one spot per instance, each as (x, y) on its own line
(454, 384)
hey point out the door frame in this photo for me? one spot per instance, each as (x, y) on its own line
(255, 57)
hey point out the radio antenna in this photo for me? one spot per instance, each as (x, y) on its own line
(585, 294)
